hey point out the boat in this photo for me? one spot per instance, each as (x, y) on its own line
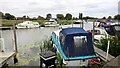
(51, 23)
(28, 24)
(73, 44)
(113, 29)
(78, 23)
(98, 33)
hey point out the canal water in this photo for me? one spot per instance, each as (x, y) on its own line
(28, 42)
(26, 36)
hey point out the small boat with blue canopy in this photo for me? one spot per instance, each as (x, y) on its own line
(74, 43)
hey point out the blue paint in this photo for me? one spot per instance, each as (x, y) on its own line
(59, 47)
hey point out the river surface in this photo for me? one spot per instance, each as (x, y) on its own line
(26, 36)
(28, 43)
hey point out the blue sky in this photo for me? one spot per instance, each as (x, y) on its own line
(33, 8)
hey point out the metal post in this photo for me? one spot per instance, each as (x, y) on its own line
(107, 48)
(93, 30)
(82, 24)
(15, 38)
(2, 46)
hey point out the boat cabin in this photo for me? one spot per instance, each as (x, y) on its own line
(74, 43)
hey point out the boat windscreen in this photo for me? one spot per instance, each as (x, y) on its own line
(77, 46)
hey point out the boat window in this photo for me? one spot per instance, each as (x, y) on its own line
(96, 32)
(79, 41)
(62, 39)
(51, 21)
(76, 22)
(117, 28)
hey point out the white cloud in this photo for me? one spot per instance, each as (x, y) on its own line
(97, 8)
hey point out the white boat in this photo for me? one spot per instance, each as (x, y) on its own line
(78, 23)
(98, 33)
(28, 24)
(51, 23)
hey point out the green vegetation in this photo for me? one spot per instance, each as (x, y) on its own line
(48, 16)
(45, 45)
(65, 22)
(114, 45)
(10, 22)
(68, 16)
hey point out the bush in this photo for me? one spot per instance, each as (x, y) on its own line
(114, 45)
(45, 45)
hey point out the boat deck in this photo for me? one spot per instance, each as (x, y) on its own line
(102, 54)
(5, 56)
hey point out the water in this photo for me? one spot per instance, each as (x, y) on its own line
(28, 49)
(27, 44)
(26, 36)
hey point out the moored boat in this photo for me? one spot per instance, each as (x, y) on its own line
(73, 44)
(28, 24)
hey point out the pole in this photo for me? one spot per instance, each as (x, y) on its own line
(82, 23)
(15, 41)
(107, 48)
(93, 30)
(15, 38)
(2, 45)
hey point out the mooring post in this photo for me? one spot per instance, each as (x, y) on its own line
(93, 30)
(15, 42)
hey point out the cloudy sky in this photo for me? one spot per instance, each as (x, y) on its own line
(33, 8)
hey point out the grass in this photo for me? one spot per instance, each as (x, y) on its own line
(10, 22)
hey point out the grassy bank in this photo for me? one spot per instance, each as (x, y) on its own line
(10, 22)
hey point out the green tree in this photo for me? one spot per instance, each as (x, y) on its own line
(117, 17)
(80, 15)
(109, 18)
(40, 18)
(48, 16)
(104, 18)
(60, 16)
(68, 16)
(9, 16)
(1, 15)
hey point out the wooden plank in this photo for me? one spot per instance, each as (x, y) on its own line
(5, 56)
(103, 54)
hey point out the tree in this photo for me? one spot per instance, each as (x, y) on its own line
(1, 15)
(68, 16)
(104, 18)
(80, 15)
(117, 17)
(109, 18)
(40, 18)
(48, 16)
(60, 16)
(9, 17)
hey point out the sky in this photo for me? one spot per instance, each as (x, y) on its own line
(34, 8)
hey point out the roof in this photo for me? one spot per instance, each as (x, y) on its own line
(73, 30)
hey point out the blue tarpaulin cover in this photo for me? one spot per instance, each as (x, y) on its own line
(70, 49)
